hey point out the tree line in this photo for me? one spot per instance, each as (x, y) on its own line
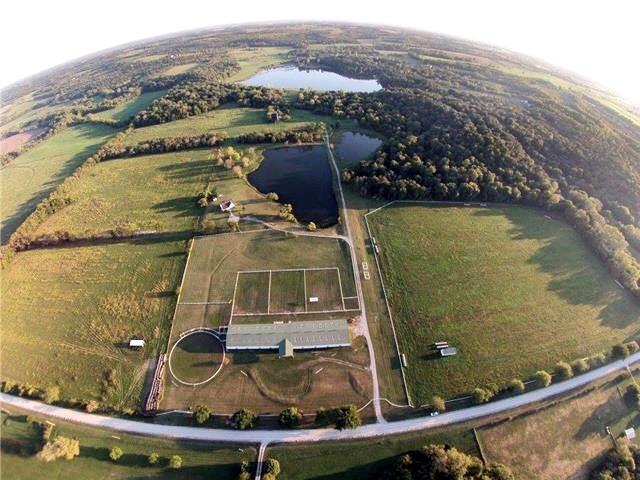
(198, 97)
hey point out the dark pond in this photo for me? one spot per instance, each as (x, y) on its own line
(354, 146)
(302, 177)
(294, 78)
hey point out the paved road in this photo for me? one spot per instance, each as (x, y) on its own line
(356, 275)
(324, 434)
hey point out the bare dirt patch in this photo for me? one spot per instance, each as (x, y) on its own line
(14, 143)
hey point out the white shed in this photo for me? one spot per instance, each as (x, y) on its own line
(136, 343)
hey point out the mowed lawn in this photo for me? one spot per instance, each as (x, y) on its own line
(128, 109)
(566, 440)
(33, 174)
(155, 192)
(513, 290)
(232, 120)
(68, 314)
(200, 461)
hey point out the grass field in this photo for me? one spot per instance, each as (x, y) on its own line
(232, 120)
(196, 357)
(324, 284)
(68, 313)
(287, 291)
(282, 291)
(252, 292)
(252, 60)
(155, 192)
(362, 459)
(201, 461)
(565, 440)
(262, 381)
(512, 290)
(22, 110)
(267, 384)
(215, 261)
(128, 109)
(33, 174)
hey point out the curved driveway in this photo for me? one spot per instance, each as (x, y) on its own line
(323, 434)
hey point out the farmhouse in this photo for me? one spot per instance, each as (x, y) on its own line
(290, 336)
(227, 205)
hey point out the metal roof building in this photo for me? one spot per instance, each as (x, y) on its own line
(301, 335)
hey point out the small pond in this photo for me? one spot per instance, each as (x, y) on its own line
(293, 78)
(353, 146)
(302, 177)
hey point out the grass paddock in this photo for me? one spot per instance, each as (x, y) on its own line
(513, 290)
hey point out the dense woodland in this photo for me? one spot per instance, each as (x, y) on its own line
(459, 125)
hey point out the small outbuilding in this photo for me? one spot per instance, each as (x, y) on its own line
(136, 343)
(285, 349)
(227, 205)
(448, 352)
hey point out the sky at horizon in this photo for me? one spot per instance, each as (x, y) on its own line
(596, 40)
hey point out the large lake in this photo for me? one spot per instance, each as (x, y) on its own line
(294, 78)
(302, 177)
(354, 146)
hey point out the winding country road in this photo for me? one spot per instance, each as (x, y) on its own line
(322, 434)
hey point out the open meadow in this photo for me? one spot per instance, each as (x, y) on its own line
(128, 109)
(69, 313)
(36, 172)
(563, 440)
(200, 461)
(251, 60)
(513, 290)
(231, 119)
(155, 192)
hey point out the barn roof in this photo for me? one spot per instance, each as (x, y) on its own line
(303, 334)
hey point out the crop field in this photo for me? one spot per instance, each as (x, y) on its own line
(564, 440)
(262, 381)
(232, 120)
(69, 313)
(33, 174)
(128, 109)
(361, 459)
(513, 290)
(200, 461)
